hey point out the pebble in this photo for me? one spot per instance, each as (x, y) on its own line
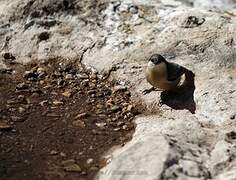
(94, 168)
(69, 76)
(17, 119)
(116, 129)
(89, 161)
(44, 102)
(62, 154)
(53, 152)
(60, 82)
(91, 92)
(53, 115)
(66, 93)
(119, 88)
(120, 123)
(5, 126)
(95, 132)
(29, 75)
(22, 86)
(82, 115)
(79, 123)
(73, 168)
(82, 76)
(11, 102)
(57, 103)
(125, 127)
(101, 125)
(109, 102)
(130, 107)
(21, 109)
(6, 71)
(67, 162)
(115, 108)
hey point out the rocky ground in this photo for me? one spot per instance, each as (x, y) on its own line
(57, 120)
(192, 136)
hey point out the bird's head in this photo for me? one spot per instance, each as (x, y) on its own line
(156, 59)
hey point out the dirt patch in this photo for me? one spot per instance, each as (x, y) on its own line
(57, 120)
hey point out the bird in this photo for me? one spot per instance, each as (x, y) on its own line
(162, 74)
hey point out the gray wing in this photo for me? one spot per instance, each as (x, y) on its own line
(174, 71)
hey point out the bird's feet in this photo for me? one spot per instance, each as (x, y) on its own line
(147, 91)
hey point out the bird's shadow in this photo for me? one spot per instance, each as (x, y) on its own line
(183, 98)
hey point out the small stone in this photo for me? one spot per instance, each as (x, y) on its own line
(34, 94)
(115, 108)
(53, 152)
(71, 166)
(116, 129)
(95, 132)
(17, 119)
(89, 161)
(21, 98)
(5, 126)
(94, 168)
(119, 88)
(53, 115)
(67, 93)
(60, 82)
(6, 70)
(91, 92)
(93, 76)
(21, 109)
(68, 162)
(120, 123)
(129, 108)
(101, 125)
(79, 123)
(84, 173)
(40, 70)
(82, 76)
(30, 75)
(22, 86)
(44, 102)
(57, 103)
(82, 115)
(10, 102)
(69, 76)
(62, 154)
(125, 127)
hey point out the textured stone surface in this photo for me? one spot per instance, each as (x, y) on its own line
(200, 35)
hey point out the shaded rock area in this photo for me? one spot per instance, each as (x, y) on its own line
(58, 119)
(115, 38)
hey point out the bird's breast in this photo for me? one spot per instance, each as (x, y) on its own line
(157, 77)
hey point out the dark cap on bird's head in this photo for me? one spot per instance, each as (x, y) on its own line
(157, 59)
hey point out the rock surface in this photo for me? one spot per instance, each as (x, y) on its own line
(117, 37)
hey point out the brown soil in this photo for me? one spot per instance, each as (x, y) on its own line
(60, 121)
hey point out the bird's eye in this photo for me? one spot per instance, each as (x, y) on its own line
(153, 60)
